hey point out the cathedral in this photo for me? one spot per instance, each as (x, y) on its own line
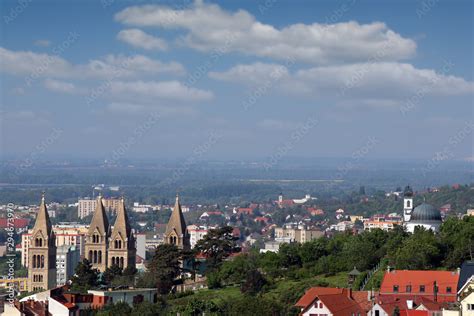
(176, 231)
(42, 252)
(106, 246)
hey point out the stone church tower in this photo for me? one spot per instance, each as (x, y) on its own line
(42, 252)
(97, 239)
(176, 232)
(122, 249)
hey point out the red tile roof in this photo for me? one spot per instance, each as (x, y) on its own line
(340, 302)
(413, 313)
(244, 210)
(287, 203)
(415, 278)
(390, 302)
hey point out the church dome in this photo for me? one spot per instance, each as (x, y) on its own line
(425, 212)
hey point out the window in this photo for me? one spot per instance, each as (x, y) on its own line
(377, 313)
(320, 305)
(408, 289)
(449, 290)
(408, 203)
(422, 289)
(395, 288)
(470, 307)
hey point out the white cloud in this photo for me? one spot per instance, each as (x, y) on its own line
(35, 65)
(150, 90)
(253, 73)
(62, 86)
(140, 39)
(209, 27)
(388, 79)
(373, 82)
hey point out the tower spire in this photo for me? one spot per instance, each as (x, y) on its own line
(42, 251)
(122, 249)
(99, 219)
(176, 232)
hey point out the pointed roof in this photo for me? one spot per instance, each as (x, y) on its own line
(42, 222)
(99, 219)
(176, 221)
(122, 225)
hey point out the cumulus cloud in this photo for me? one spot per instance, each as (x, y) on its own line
(208, 27)
(252, 73)
(374, 81)
(140, 39)
(150, 90)
(38, 65)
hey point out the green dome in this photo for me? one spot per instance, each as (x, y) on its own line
(425, 212)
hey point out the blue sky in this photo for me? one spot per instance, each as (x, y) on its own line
(248, 79)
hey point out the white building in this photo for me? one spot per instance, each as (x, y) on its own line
(67, 258)
(423, 215)
(86, 206)
(342, 226)
(303, 200)
(141, 244)
(197, 233)
(297, 234)
(426, 216)
(466, 293)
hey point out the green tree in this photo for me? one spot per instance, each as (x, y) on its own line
(117, 309)
(111, 273)
(313, 250)
(85, 277)
(148, 309)
(165, 267)
(235, 270)
(254, 282)
(217, 245)
(421, 251)
(290, 255)
(457, 238)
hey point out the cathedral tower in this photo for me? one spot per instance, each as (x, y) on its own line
(42, 252)
(176, 232)
(122, 250)
(98, 237)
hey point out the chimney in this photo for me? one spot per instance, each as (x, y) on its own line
(348, 292)
(410, 304)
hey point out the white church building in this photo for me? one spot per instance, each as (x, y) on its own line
(424, 215)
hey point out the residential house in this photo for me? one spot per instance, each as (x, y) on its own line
(438, 286)
(334, 302)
